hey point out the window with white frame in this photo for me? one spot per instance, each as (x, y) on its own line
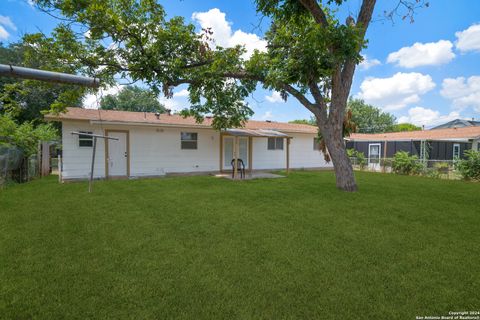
(85, 140)
(456, 150)
(275, 144)
(189, 140)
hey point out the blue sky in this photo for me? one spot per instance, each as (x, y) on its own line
(426, 72)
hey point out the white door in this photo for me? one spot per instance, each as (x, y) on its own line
(228, 151)
(117, 154)
(374, 156)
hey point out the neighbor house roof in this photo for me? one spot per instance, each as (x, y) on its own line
(437, 134)
(458, 123)
(147, 118)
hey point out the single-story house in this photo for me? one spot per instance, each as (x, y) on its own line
(152, 144)
(439, 144)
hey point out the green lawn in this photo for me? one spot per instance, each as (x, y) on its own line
(207, 248)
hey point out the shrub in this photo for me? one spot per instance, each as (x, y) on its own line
(404, 163)
(351, 153)
(432, 173)
(26, 135)
(469, 167)
(359, 158)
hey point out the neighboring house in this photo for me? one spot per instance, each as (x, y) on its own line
(439, 144)
(458, 123)
(153, 145)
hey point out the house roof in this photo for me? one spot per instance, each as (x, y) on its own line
(454, 134)
(458, 123)
(148, 118)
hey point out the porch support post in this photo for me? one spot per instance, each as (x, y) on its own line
(221, 153)
(93, 164)
(250, 156)
(235, 157)
(288, 155)
(385, 156)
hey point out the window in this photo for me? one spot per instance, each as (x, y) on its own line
(316, 144)
(456, 151)
(84, 140)
(189, 140)
(275, 143)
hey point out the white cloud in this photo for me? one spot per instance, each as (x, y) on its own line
(4, 33)
(223, 34)
(181, 93)
(463, 92)
(423, 116)
(423, 54)
(396, 92)
(267, 115)
(92, 100)
(368, 63)
(175, 105)
(468, 39)
(6, 23)
(275, 97)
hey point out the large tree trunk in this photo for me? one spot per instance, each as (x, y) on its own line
(332, 133)
(341, 163)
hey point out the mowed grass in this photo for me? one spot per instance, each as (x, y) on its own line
(208, 248)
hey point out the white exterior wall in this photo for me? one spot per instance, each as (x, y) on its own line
(302, 154)
(76, 161)
(157, 151)
(262, 158)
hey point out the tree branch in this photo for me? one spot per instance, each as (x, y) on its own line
(316, 11)
(316, 93)
(363, 20)
(365, 15)
(243, 75)
(300, 97)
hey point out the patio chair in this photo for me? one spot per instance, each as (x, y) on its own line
(240, 168)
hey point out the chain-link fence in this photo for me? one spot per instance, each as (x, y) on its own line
(14, 166)
(444, 169)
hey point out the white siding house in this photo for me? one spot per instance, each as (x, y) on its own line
(151, 145)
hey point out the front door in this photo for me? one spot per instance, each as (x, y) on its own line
(117, 154)
(374, 156)
(228, 151)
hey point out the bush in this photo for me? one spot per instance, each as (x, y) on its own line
(26, 135)
(469, 167)
(359, 158)
(404, 163)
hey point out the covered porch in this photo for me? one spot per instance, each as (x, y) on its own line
(236, 152)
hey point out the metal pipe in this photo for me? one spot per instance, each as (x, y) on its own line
(93, 135)
(48, 76)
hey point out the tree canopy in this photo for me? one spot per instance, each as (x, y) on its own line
(370, 119)
(25, 135)
(163, 53)
(132, 98)
(365, 118)
(26, 100)
(405, 127)
(310, 121)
